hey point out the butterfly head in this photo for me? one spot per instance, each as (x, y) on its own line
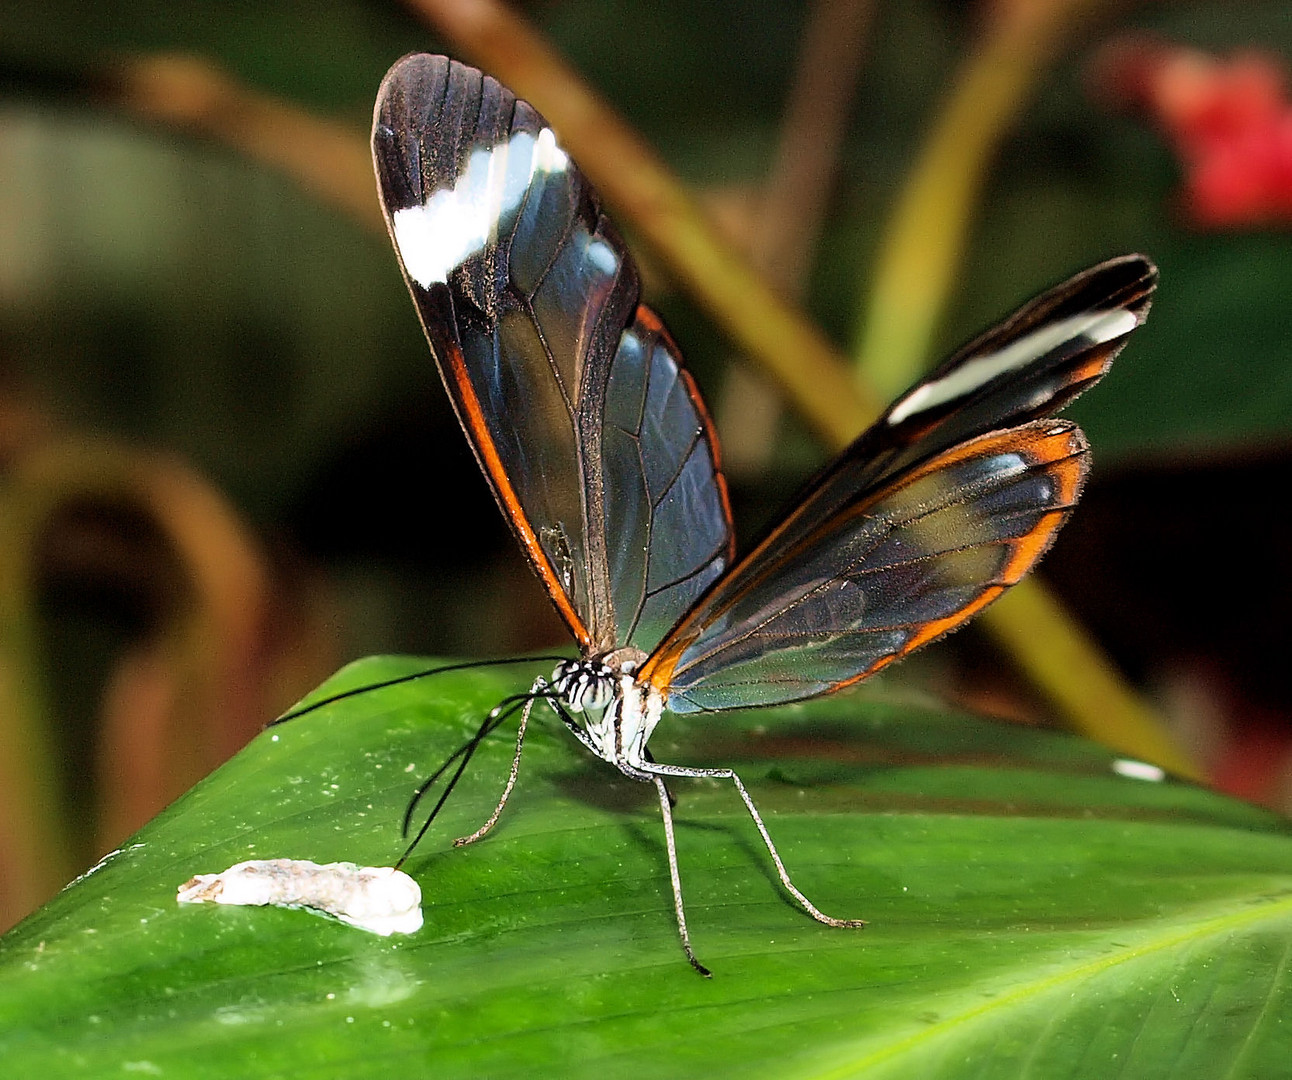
(589, 685)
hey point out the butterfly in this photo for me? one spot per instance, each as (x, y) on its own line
(599, 451)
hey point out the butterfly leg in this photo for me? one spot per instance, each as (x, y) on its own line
(462, 841)
(672, 799)
(573, 726)
(667, 811)
(660, 771)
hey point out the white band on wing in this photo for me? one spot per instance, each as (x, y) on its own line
(458, 222)
(1095, 326)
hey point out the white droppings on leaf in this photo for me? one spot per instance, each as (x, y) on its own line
(379, 899)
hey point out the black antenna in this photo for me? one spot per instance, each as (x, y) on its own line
(499, 715)
(426, 674)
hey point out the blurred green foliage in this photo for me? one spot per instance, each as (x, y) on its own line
(171, 291)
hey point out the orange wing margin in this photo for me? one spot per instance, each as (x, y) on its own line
(888, 572)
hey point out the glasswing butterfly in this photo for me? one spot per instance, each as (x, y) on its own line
(605, 464)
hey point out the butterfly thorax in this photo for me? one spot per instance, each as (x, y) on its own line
(616, 712)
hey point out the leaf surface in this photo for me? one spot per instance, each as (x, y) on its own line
(1031, 912)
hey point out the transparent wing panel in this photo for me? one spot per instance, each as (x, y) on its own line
(668, 525)
(1026, 368)
(884, 574)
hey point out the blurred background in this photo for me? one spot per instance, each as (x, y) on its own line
(227, 465)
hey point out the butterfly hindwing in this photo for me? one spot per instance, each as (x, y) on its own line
(823, 600)
(895, 569)
(668, 523)
(529, 299)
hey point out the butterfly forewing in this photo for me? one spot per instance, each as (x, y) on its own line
(1026, 368)
(529, 299)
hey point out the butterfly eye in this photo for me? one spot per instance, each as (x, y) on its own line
(597, 692)
(583, 685)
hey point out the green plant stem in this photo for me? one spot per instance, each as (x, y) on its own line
(921, 255)
(1064, 660)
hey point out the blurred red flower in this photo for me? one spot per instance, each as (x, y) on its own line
(1229, 120)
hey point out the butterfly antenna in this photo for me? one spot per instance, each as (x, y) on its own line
(465, 753)
(414, 677)
(499, 715)
(489, 723)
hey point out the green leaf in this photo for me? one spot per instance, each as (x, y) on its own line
(1031, 913)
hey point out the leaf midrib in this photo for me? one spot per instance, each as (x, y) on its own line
(1199, 927)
